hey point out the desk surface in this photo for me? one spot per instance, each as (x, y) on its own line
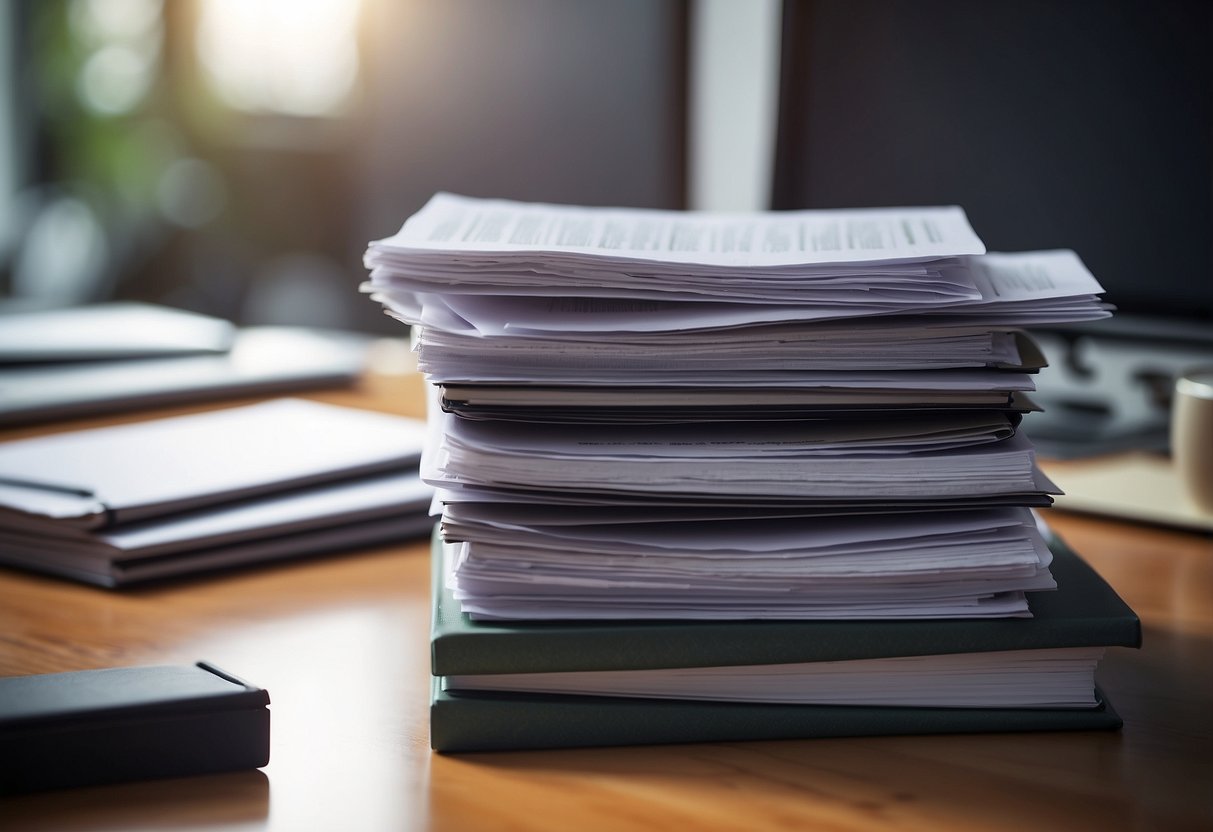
(325, 633)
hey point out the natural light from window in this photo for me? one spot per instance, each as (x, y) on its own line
(286, 57)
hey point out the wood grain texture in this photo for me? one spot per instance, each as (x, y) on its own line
(341, 644)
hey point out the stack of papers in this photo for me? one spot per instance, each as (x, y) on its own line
(817, 412)
(119, 505)
(919, 458)
(875, 566)
(709, 477)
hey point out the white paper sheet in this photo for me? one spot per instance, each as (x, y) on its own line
(451, 223)
(1049, 678)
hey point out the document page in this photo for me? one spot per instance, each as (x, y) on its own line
(455, 223)
(1033, 276)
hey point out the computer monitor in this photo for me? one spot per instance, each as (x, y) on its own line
(1055, 125)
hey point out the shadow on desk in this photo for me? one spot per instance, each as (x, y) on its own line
(1167, 692)
(891, 782)
(235, 800)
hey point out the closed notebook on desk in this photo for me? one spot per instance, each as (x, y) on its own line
(150, 500)
(258, 361)
(1083, 613)
(327, 517)
(103, 477)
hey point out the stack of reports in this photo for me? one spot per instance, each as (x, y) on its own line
(711, 423)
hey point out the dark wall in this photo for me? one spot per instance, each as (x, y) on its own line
(576, 101)
(1081, 125)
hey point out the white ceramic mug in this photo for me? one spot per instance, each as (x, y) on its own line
(1192, 436)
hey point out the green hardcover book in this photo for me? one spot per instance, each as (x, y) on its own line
(1083, 612)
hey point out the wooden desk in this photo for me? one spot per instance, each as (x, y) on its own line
(341, 644)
